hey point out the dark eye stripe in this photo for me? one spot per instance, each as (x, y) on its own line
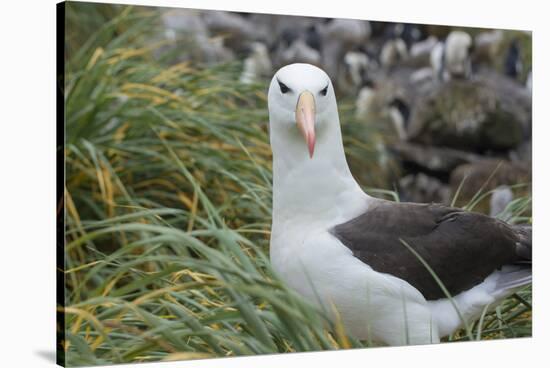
(324, 91)
(283, 87)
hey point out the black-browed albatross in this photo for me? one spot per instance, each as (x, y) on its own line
(351, 253)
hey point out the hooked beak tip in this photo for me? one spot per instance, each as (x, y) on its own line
(311, 146)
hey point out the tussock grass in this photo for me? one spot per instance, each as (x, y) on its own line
(168, 202)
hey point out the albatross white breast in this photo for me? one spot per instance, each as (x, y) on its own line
(343, 249)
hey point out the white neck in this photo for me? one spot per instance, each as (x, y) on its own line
(310, 188)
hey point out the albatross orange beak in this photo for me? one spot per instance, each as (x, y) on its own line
(305, 119)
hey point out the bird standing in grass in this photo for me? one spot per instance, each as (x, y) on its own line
(395, 273)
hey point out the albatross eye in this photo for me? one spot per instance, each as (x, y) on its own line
(283, 87)
(324, 91)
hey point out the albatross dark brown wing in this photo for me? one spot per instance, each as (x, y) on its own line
(462, 247)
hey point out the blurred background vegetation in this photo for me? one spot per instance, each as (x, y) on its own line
(168, 202)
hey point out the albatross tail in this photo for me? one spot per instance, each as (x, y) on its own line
(520, 273)
(497, 286)
(512, 278)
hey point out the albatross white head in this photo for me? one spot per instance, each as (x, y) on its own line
(310, 171)
(301, 100)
